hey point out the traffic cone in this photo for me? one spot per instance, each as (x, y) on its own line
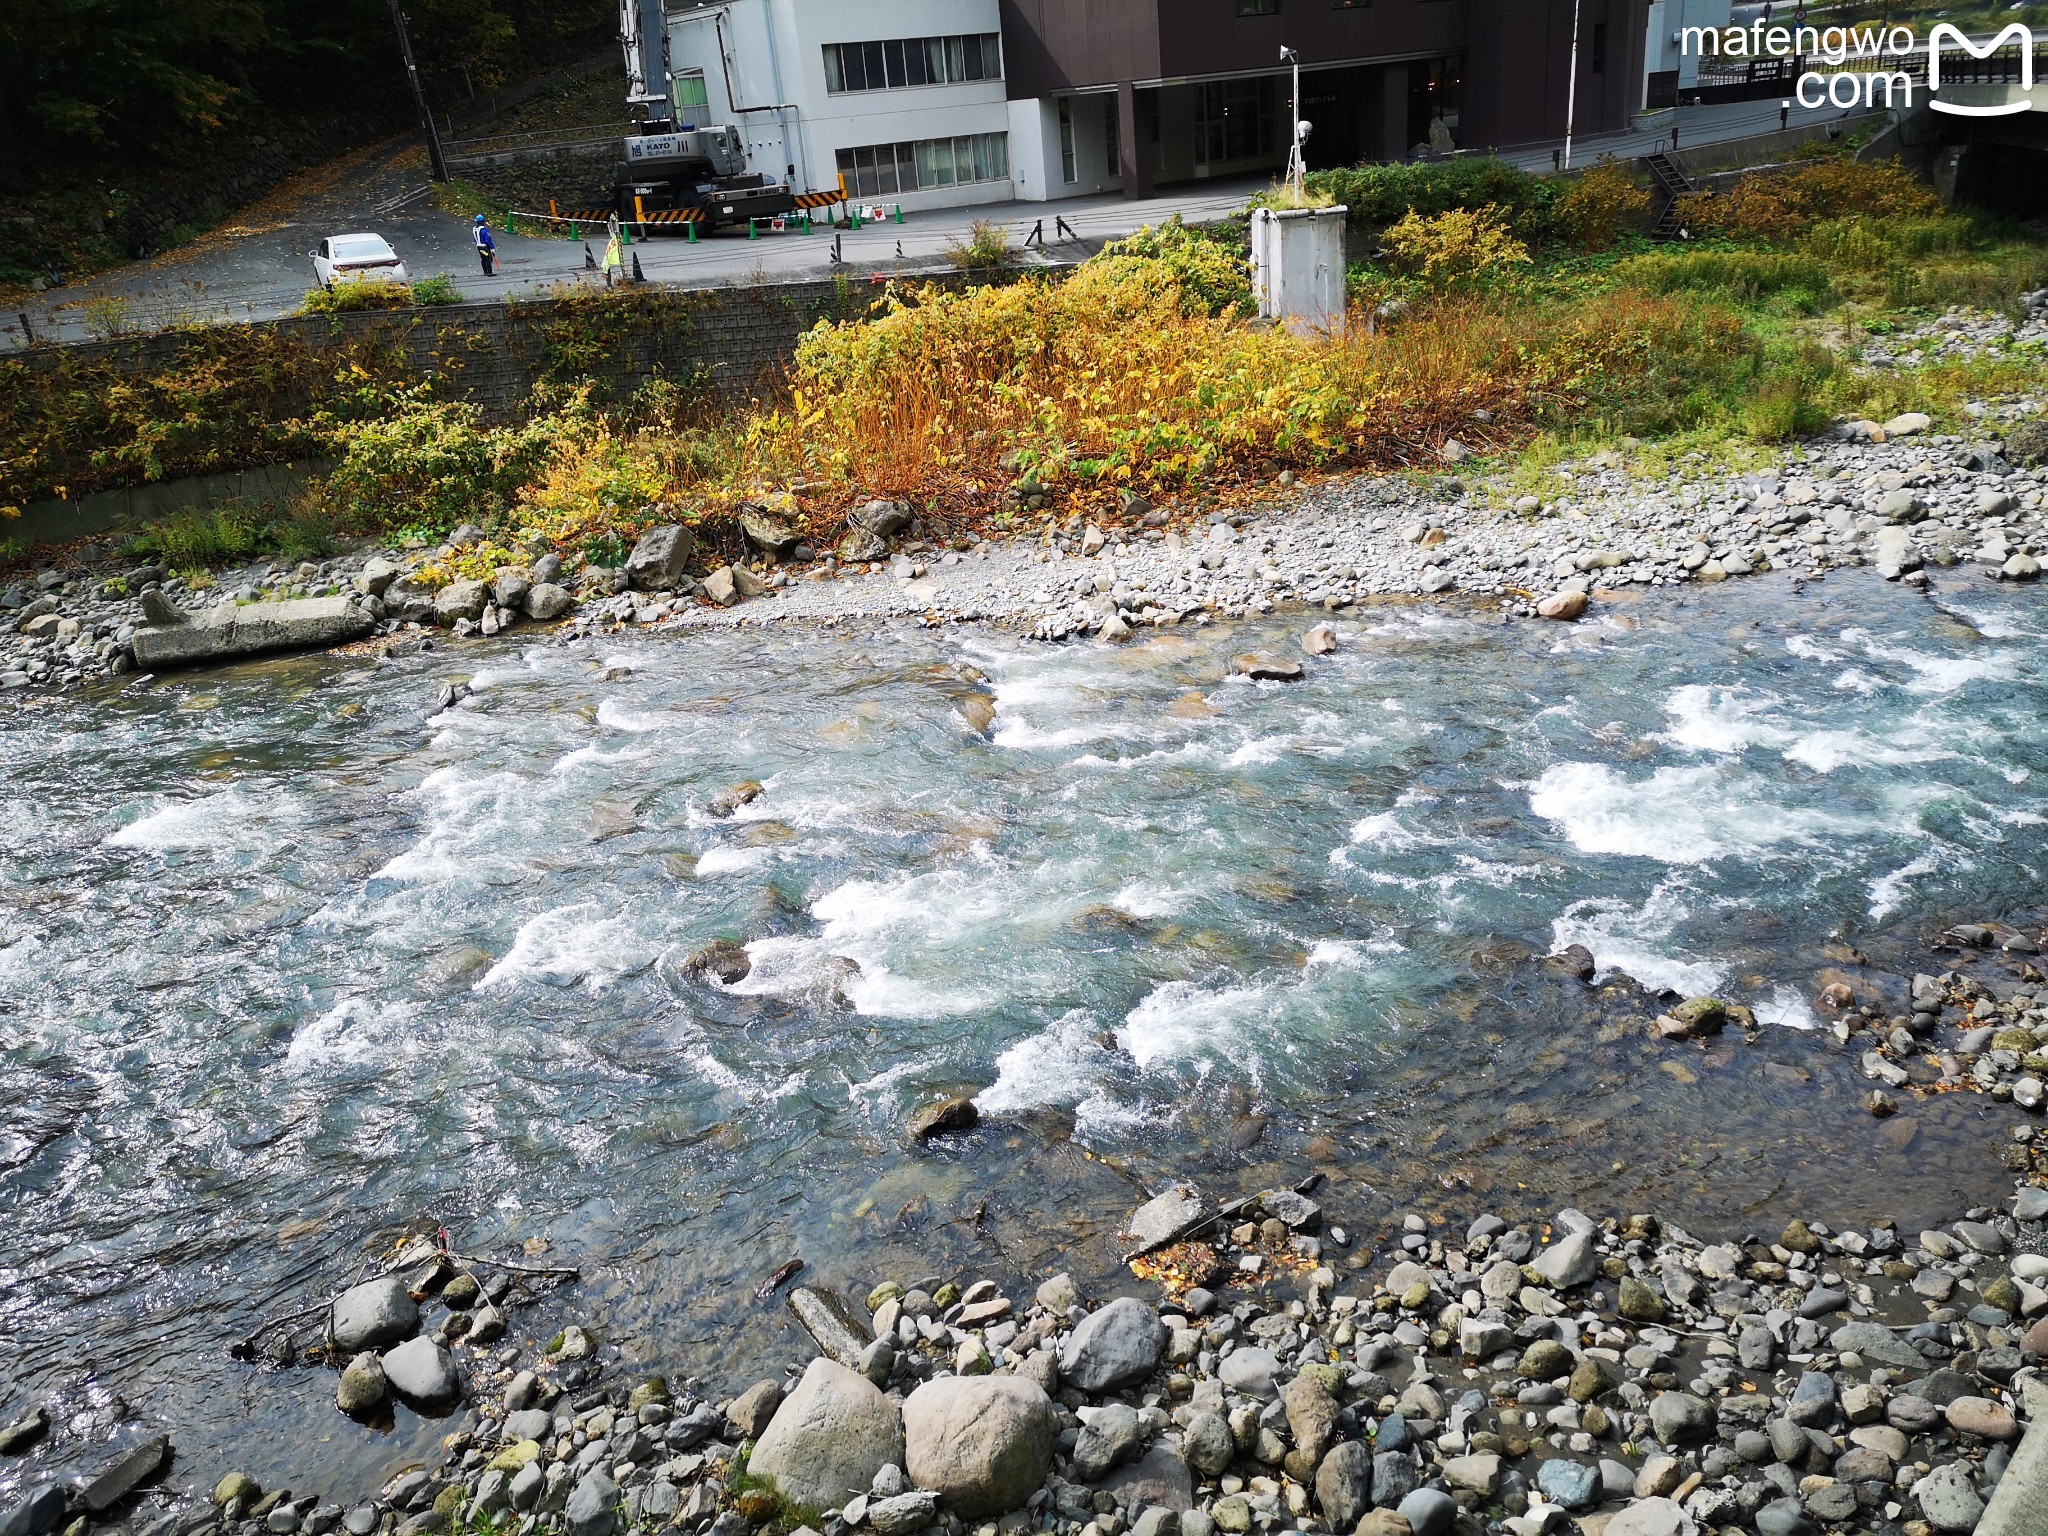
(638, 275)
(899, 213)
(691, 227)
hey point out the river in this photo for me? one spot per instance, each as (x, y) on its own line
(1164, 921)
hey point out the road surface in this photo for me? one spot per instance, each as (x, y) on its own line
(257, 267)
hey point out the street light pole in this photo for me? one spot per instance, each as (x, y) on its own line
(1296, 169)
(419, 95)
(1571, 93)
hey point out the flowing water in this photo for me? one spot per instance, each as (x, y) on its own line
(1164, 921)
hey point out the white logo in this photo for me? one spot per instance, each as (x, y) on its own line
(2018, 33)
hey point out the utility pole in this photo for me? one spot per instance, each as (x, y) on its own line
(1571, 92)
(435, 161)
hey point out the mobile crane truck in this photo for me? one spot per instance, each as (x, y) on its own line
(674, 175)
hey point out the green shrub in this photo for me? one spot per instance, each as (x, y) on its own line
(1378, 195)
(353, 295)
(1749, 276)
(201, 537)
(432, 464)
(436, 290)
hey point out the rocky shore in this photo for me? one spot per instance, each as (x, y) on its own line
(1894, 496)
(1267, 1371)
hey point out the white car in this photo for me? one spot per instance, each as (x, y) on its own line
(365, 258)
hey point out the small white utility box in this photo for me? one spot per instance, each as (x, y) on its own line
(1298, 266)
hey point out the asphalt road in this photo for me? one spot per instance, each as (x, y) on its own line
(257, 266)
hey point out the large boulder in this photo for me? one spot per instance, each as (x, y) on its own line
(983, 1444)
(765, 530)
(376, 1313)
(461, 600)
(661, 558)
(883, 519)
(829, 1438)
(250, 629)
(1166, 1216)
(423, 1373)
(1118, 1344)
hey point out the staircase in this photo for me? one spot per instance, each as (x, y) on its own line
(1672, 183)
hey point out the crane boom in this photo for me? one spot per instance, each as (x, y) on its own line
(643, 38)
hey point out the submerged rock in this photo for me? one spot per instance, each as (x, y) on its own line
(944, 1118)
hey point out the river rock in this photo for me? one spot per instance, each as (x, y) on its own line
(1875, 1342)
(590, 1510)
(1118, 1344)
(833, 1327)
(983, 1444)
(1562, 605)
(754, 1408)
(374, 1314)
(1164, 1217)
(1267, 666)
(1652, 1517)
(1312, 1412)
(21, 1433)
(660, 558)
(1981, 1416)
(1429, 1512)
(1251, 1372)
(1107, 1439)
(1949, 1500)
(461, 600)
(882, 519)
(1320, 641)
(423, 1373)
(1393, 1478)
(362, 1386)
(1571, 1484)
(34, 1513)
(545, 601)
(1678, 1417)
(901, 1513)
(250, 629)
(1344, 1484)
(1158, 1479)
(136, 1467)
(1207, 1444)
(766, 531)
(1568, 1262)
(944, 1118)
(829, 1438)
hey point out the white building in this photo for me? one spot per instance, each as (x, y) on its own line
(905, 99)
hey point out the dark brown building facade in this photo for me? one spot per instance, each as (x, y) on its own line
(1132, 93)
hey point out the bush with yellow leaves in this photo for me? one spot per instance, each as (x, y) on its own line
(1462, 248)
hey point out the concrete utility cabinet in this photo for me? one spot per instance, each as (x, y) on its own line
(1298, 266)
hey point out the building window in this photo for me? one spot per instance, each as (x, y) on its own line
(1237, 120)
(1258, 7)
(1112, 139)
(883, 170)
(1069, 168)
(693, 101)
(1599, 47)
(896, 63)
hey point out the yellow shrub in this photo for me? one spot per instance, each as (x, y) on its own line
(1598, 206)
(1777, 206)
(1453, 249)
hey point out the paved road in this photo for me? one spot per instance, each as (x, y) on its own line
(257, 267)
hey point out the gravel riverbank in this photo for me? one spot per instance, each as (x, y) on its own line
(1892, 495)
